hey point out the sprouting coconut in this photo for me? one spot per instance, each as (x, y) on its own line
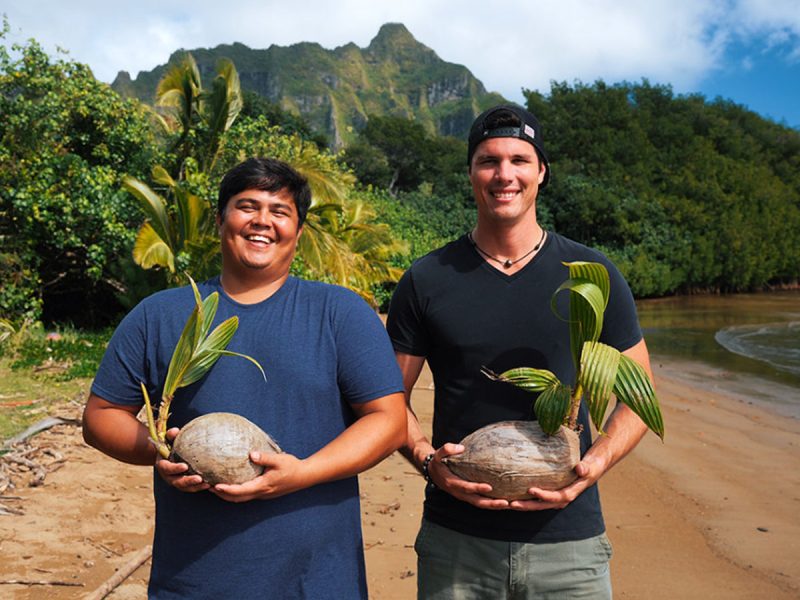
(513, 456)
(216, 445)
(232, 437)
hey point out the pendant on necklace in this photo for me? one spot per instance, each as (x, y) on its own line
(508, 264)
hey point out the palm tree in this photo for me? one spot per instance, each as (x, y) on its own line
(372, 245)
(201, 116)
(180, 236)
(341, 242)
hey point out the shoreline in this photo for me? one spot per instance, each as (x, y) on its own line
(777, 398)
(710, 513)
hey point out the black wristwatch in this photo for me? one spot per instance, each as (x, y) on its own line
(425, 473)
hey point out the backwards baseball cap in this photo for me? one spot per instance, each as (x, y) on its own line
(490, 124)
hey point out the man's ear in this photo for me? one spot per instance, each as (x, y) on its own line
(542, 172)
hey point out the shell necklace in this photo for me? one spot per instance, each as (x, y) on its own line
(507, 263)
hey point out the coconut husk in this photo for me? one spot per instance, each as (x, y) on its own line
(217, 447)
(513, 456)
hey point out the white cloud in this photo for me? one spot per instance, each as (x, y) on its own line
(521, 43)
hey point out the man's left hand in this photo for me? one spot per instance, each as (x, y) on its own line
(589, 470)
(283, 475)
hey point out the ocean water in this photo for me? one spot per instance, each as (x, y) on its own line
(773, 343)
(744, 345)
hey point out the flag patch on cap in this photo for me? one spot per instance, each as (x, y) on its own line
(529, 131)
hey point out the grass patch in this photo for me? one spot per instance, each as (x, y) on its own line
(41, 370)
(65, 356)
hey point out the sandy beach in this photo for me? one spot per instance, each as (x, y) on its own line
(709, 514)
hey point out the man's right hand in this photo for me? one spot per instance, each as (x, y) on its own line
(175, 473)
(466, 491)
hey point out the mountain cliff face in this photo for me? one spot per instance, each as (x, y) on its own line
(336, 90)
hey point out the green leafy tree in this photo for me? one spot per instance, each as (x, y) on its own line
(687, 195)
(65, 141)
(288, 123)
(179, 235)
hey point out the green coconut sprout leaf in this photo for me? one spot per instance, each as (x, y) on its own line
(209, 351)
(526, 378)
(598, 373)
(551, 407)
(634, 388)
(195, 353)
(208, 310)
(587, 303)
(600, 369)
(152, 428)
(594, 272)
(244, 356)
(182, 354)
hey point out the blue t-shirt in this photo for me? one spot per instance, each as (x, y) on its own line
(322, 348)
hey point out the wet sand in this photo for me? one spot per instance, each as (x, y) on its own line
(711, 513)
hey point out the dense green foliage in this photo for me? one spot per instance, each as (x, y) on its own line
(287, 122)
(400, 155)
(66, 226)
(424, 220)
(683, 194)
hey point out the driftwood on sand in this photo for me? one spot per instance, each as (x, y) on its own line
(38, 427)
(125, 571)
(23, 463)
(42, 582)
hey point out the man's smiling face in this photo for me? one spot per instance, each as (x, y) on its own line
(505, 174)
(259, 231)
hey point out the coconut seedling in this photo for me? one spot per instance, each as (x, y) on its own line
(514, 456)
(216, 445)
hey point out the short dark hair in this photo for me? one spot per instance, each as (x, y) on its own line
(267, 175)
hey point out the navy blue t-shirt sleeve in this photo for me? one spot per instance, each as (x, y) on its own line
(404, 323)
(366, 366)
(124, 363)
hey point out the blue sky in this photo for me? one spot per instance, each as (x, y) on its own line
(747, 51)
(765, 79)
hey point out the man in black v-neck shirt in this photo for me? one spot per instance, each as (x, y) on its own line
(484, 299)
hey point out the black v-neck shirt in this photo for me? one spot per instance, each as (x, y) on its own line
(461, 313)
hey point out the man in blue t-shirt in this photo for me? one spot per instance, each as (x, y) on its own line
(484, 300)
(332, 400)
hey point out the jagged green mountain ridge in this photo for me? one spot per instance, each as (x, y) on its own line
(335, 90)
